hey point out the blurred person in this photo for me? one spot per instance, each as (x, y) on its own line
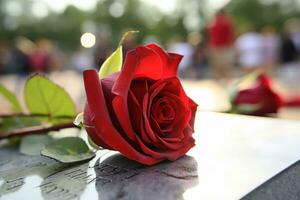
(293, 26)
(220, 34)
(102, 51)
(289, 69)
(288, 47)
(271, 45)
(250, 50)
(292, 29)
(39, 59)
(4, 56)
(184, 48)
(18, 56)
(198, 62)
(82, 59)
(57, 57)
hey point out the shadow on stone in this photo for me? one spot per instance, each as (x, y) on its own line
(120, 178)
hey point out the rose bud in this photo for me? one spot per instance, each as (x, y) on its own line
(261, 96)
(141, 111)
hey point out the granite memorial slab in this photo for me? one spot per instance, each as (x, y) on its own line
(234, 155)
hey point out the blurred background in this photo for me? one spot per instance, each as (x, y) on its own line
(221, 40)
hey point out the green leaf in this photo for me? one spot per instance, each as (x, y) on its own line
(68, 150)
(247, 108)
(92, 144)
(33, 144)
(112, 64)
(44, 97)
(232, 94)
(79, 120)
(11, 123)
(11, 98)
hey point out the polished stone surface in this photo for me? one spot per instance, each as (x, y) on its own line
(112, 178)
(285, 185)
(234, 155)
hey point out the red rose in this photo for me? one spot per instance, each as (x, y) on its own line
(262, 95)
(292, 102)
(141, 111)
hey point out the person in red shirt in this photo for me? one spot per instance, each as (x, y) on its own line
(220, 34)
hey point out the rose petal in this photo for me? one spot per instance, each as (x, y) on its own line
(170, 154)
(154, 124)
(88, 123)
(152, 135)
(144, 134)
(136, 111)
(153, 92)
(269, 101)
(187, 132)
(182, 117)
(160, 142)
(174, 86)
(107, 84)
(193, 107)
(163, 111)
(180, 103)
(139, 88)
(103, 124)
(149, 64)
(142, 62)
(264, 80)
(161, 136)
(170, 60)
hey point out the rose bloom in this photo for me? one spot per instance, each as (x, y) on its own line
(141, 111)
(261, 94)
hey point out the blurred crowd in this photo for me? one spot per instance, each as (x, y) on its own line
(264, 48)
(221, 52)
(24, 56)
(216, 52)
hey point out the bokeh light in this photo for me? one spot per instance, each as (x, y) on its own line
(116, 9)
(88, 40)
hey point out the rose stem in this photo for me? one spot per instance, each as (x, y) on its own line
(36, 130)
(34, 115)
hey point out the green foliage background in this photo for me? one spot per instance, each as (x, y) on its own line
(66, 27)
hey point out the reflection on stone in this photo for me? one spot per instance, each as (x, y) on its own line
(66, 184)
(112, 177)
(120, 178)
(18, 166)
(39, 177)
